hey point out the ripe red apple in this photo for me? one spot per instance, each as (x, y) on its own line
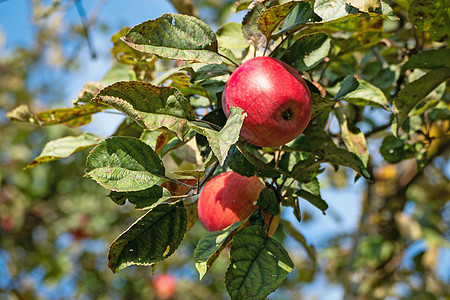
(229, 198)
(165, 286)
(274, 96)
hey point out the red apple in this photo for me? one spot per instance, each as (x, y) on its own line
(229, 198)
(274, 96)
(165, 286)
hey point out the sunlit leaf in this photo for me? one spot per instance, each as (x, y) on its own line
(221, 141)
(429, 59)
(209, 247)
(175, 36)
(361, 41)
(414, 92)
(359, 92)
(271, 18)
(365, 5)
(431, 16)
(90, 89)
(324, 150)
(250, 29)
(301, 14)
(353, 138)
(124, 164)
(152, 238)
(258, 265)
(150, 106)
(348, 85)
(64, 147)
(307, 52)
(77, 116)
(330, 9)
(230, 36)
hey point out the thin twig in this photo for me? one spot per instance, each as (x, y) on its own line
(85, 23)
(226, 57)
(377, 129)
(178, 182)
(208, 174)
(215, 126)
(281, 43)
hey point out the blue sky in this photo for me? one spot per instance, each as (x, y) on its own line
(15, 24)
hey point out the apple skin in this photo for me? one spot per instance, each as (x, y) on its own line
(229, 198)
(274, 96)
(165, 286)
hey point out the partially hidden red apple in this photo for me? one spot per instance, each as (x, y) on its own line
(165, 286)
(229, 198)
(274, 96)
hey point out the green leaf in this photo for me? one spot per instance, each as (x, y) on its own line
(338, 156)
(77, 116)
(365, 5)
(300, 165)
(175, 36)
(354, 139)
(150, 106)
(271, 18)
(263, 168)
(414, 92)
(431, 16)
(320, 104)
(90, 89)
(237, 162)
(387, 11)
(308, 51)
(145, 199)
(209, 247)
(221, 141)
(200, 71)
(360, 41)
(230, 36)
(360, 92)
(216, 117)
(330, 9)
(258, 265)
(348, 85)
(324, 150)
(429, 59)
(118, 72)
(228, 57)
(250, 29)
(395, 149)
(124, 164)
(64, 147)
(268, 201)
(125, 54)
(301, 14)
(348, 23)
(152, 238)
(313, 199)
(313, 186)
(299, 237)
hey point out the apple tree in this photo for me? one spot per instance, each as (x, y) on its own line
(366, 81)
